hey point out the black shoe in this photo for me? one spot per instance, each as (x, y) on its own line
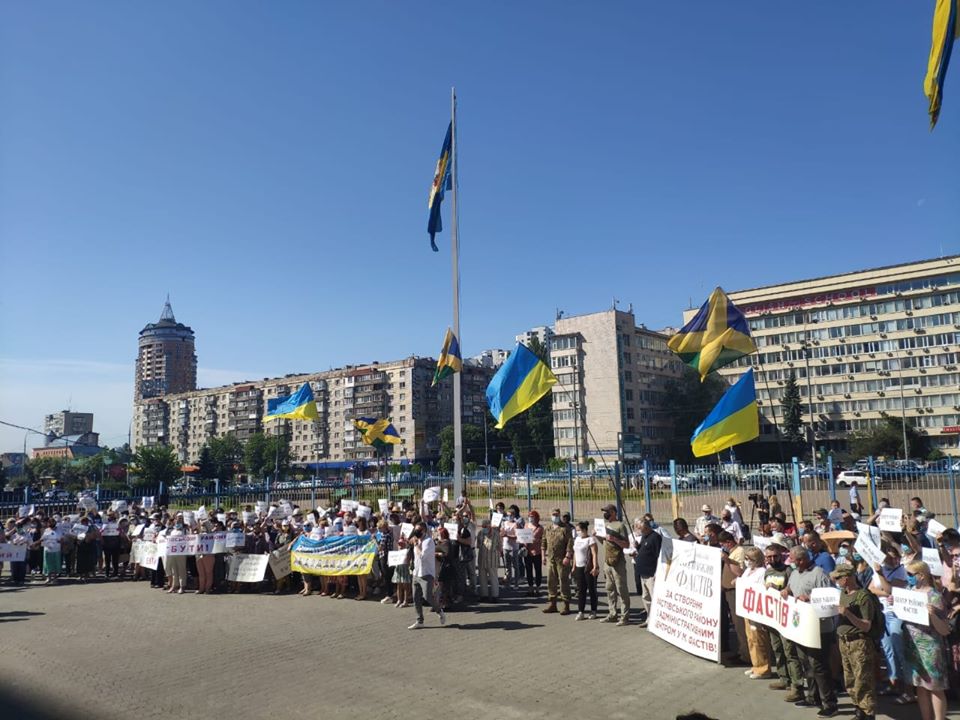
(827, 711)
(806, 703)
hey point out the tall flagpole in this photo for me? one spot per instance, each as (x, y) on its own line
(455, 259)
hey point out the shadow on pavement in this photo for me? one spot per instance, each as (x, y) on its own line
(27, 708)
(17, 616)
(496, 625)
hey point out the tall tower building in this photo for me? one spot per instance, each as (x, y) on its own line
(166, 361)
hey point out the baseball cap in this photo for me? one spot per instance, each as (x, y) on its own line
(611, 508)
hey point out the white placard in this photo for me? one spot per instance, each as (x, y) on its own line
(286, 508)
(110, 529)
(384, 506)
(931, 556)
(431, 494)
(871, 553)
(13, 553)
(261, 506)
(935, 527)
(348, 505)
(87, 503)
(118, 506)
(247, 568)
(149, 555)
(890, 520)
(871, 531)
(364, 512)
(222, 517)
(147, 502)
(397, 557)
(761, 543)
(446, 495)
(825, 602)
(219, 542)
(182, 544)
(248, 518)
(452, 528)
(25, 511)
(202, 514)
(910, 605)
(150, 533)
(137, 529)
(525, 535)
(600, 527)
(496, 519)
(280, 563)
(189, 518)
(406, 529)
(235, 539)
(792, 618)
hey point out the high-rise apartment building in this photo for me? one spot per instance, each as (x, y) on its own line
(542, 333)
(67, 422)
(862, 343)
(612, 374)
(166, 360)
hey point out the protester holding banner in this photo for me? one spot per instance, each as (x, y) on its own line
(758, 641)
(786, 661)
(732, 567)
(176, 565)
(924, 650)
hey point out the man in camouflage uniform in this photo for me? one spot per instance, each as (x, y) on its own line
(558, 557)
(857, 650)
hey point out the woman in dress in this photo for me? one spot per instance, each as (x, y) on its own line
(402, 577)
(50, 542)
(924, 649)
(176, 565)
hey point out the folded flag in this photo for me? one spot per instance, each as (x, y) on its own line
(716, 336)
(733, 420)
(519, 383)
(299, 406)
(946, 28)
(377, 432)
(442, 181)
(450, 361)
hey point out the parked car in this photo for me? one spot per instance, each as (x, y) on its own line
(904, 472)
(809, 473)
(848, 477)
(661, 481)
(766, 476)
(58, 496)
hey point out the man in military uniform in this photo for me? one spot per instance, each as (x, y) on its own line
(558, 557)
(615, 540)
(857, 650)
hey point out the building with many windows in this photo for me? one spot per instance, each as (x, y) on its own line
(166, 358)
(67, 422)
(612, 375)
(862, 343)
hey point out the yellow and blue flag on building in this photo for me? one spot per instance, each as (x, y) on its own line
(377, 432)
(716, 336)
(946, 28)
(299, 406)
(442, 181)
(519, 383)
(733, 420)
(450, 361)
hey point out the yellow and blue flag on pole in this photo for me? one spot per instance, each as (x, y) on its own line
(733, 420)
(450, 361)
(946, 28)
(299, 406)
(377, 432)
(519, 383)
(716, 336)
(442, 181)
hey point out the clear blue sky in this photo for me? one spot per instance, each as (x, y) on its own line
(268, 165)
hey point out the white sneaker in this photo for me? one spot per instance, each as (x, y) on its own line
(443, 618)
(386, 600)
(416, 626)
(748, 672)
(580, 616)
(592, 616)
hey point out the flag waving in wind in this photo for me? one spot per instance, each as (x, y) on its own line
(946, 27)
(377, 432)
(519, 383)
(450, 361)
(733, 420)
(442, 181)
(716, 336)
(299, 406)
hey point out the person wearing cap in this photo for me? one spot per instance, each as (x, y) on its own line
(557, 556)
(615, 541)
(707, 518)
(488, 557)
(858, 653)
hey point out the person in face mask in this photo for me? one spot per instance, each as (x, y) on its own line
(758, 640)
(534, 551)
(887, 576)
(557, 556)
(488, 557)
(176, 565)
(786, 661)
(615, 540)
(424, 572)
(512, 558)
(924, 649)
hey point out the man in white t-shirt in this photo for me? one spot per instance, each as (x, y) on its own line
(424, 573)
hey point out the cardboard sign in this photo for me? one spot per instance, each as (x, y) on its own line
(149, 555)
(935, 527)
(13, 553)
(286, 508)
(446, 495)
(147, 502)
(182, 545)
(247, 568)
(222, 517)
(496, 519)
(396, 557)
(931, 556)
(189, 518)
(600, 527)
(364, 512)
(910, 605)
(25, 511)
(150, 533)
(234, 539)
(87, 503)
(525, 535)
(452, 528)
(248, 518)
(406, 529)
(280, 562)
(825, 602)
(890, 520)
(110, 529)
(871, 531)
(137, 529)
(202, 515)
(118, 506)
(869, 550)
(761, 543)
(348, 505)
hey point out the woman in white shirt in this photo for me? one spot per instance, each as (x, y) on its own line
(50, 541)
(585, 570)
(176, 565)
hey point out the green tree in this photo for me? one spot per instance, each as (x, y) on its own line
(792, 414)
(472, 446)
(885, 439)
(156, 464)
(227, 453)
(261, 454)
(206, 465)
(687, 401)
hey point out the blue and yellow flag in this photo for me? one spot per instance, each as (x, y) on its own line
(450, 361)
(946, 28)
(299, 406)
(442, 181)
(716, 336)
(732, 421)
(377, 432)
(519, 383)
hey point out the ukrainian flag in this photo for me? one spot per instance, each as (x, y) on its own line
(442, 181)
(733, 420)
(450, 361)
(716, 336)
(299, 406)
(946, 28)
(519, 383)
(377, 432)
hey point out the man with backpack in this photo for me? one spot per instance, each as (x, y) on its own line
(859, 623)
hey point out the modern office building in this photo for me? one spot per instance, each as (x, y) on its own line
(167, 360)
(612, 374)
(885, 340)
(67, 422)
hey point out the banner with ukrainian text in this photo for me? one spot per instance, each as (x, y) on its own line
(793, 619)
(340, 555)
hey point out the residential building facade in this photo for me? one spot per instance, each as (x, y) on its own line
(67, 422)
(166, 358)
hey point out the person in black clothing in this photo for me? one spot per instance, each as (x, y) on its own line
(647, 554)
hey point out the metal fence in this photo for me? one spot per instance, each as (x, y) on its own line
(667, 491)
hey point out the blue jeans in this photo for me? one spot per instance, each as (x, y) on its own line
(892, 644)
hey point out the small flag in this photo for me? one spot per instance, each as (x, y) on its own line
(450, 361)
(946, 28)
(519, 383)
(299, 406)
(732, 421)
(377, 432)
(716, 336)
(442, 181)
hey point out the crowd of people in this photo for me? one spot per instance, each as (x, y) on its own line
(455, 555)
